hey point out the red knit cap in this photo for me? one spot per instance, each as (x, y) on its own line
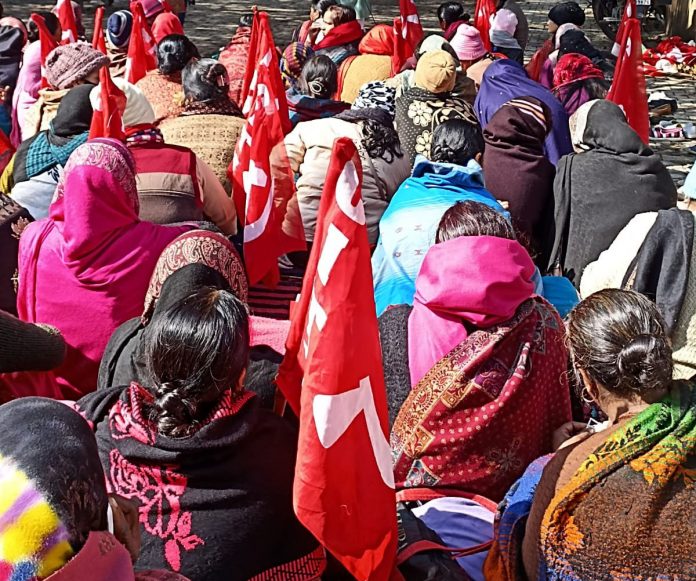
(574, 67)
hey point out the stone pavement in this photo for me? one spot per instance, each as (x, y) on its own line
(211, 22)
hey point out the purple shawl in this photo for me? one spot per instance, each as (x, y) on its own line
(504, 80)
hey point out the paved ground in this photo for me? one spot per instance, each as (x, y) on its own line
(210, 23)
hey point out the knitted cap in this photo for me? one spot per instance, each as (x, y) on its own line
(467, 43)
(118, 28)
(504, 20)
(376, 95)
(436, 72)
(68, 64)
(138, 109)
(567, 12)
(151, 7)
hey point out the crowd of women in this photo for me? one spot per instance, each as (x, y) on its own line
(532, 281)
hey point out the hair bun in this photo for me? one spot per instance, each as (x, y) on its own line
(644, 363)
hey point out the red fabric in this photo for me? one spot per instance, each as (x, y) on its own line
(454, 294)
(411, 28)
(536, 63)
(628, 87)
(165, 24)
(98, 40)
(234, 58)
(107, 120)
(402, 52)
(482, 20)
(629, 12)
(332, 376)
(48, 43)
(6, 151)
(342, 34)
(68, 24)
(452, 29)
(142, 49)
(378, 40)
(261, 202)
(573, 67)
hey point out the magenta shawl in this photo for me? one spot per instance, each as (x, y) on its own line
(85, 269)
(26, 92)
(474, 281)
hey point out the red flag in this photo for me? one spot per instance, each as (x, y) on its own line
(48, 43)
(260, 173)
(332, 373)
(628, 87)
(98, 40)
(630, 11)
(411, 28)
(142, 49)
(68, 24)
(107, 120)
(482, 20)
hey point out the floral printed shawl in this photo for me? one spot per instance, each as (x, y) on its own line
(487, 409)
(419, 112)
(629, 511)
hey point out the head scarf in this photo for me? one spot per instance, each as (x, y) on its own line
(294, 58)
(166, 24)
(567, 12)
(48, 513)
(118, 28)
(562, 30)
(98, 253)
(15, 23)
(505, 80)
(378, 40)
(374, 101)
(574, 67)
(575, 41)
(197, 247)
(11, 45)
(599, 190)
(515, 141)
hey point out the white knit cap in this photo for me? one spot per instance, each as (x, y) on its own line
(138, 108)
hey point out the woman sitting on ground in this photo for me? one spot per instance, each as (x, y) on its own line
(407, 228)
(612, 177)
(608, 499)
(222, 467)
(484, 355)
(85, 268)
(210, 123)
(312, 97)
(162, 87)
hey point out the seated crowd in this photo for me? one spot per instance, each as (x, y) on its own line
(532, 281)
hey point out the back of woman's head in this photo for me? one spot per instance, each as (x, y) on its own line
(340, 14)
(51, 21)
(319, 77)
(618, 339)
(322, 6)
(456, 141)
(174, 52)
(473, 219)
(450, 12)
(194, 351)
(204, 80)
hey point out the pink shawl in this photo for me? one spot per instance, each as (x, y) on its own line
(468, 283)
(85, 269)
(26, 92)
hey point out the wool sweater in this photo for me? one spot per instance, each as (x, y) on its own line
(211, 137)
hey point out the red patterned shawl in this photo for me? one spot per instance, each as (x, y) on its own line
(488, 408)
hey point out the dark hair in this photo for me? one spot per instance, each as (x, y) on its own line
(342, 14)
(2, 10)
(450, 12)
(174, 52)
(593, 88)
(322, 6)
(471, 218)
(618, 339)
(319, 77)
(195, 350)
(204, 80)
(246, 20)
(380, 140)
(456, 141)
(52, 23)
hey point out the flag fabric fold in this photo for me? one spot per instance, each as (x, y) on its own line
(628, 89)
(630, 11)
(142, 48)
(262, 180)
(98, 40)
(47, 44)
(484, 10)
(107, 120)
(332, 377)
(68, 23)
(408, 32)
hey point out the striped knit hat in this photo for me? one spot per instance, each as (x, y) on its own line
(53, 489)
